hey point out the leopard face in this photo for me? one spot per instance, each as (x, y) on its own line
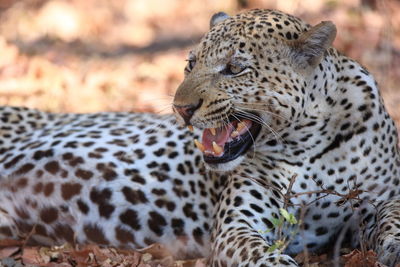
(247, 81)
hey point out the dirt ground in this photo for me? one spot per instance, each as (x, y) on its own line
(129, 55)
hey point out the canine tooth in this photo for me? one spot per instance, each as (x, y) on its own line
(235, 134)
(190, 127)
(213, 131)
(217, 149)
(199, 145)
(240, 126)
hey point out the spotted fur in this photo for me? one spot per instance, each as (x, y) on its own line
(129, 180)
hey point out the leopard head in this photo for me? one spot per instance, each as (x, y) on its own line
(247, 80)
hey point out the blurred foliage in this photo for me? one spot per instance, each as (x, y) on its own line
(129, 55)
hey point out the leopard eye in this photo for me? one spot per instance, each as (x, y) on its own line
(233, 69)
(190, 65)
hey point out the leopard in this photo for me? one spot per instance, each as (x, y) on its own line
(269, 120)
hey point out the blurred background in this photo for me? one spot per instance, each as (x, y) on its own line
(129, 55)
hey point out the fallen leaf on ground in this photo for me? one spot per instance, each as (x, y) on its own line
(8, 252)
(158, 251)
(303, 258)
(10, 243)
(32, 256)
(358, 259)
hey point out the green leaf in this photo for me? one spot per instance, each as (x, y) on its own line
(276, 222)
(273, 248)
(264, 231)
(285, 214)
(292, 219)
(277, 245)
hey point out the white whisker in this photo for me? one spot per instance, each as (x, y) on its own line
(251, 136)
(259, 120)
(159, 111)
(262, 111)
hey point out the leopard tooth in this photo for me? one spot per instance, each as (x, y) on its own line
(213, 131)
(240, 126)
(235, 134)
(199, 145)
(190, 127)
(217, 149)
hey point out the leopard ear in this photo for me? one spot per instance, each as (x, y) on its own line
(309, 48)
(217, 18)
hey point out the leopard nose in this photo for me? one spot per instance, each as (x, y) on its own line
(187, 111)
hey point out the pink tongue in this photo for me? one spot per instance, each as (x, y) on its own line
(220, 138)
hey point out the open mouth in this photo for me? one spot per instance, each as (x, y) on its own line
(226, 143)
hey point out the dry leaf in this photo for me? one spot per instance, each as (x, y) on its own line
(358, 259)
(8, 252)
(10, 243)
(200, 263)
(31, 255)
(62, 264)
(312, 258)
(158, 251)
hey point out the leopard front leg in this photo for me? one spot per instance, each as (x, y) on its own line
(383, 234)
(241, 221)
(7, 227)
